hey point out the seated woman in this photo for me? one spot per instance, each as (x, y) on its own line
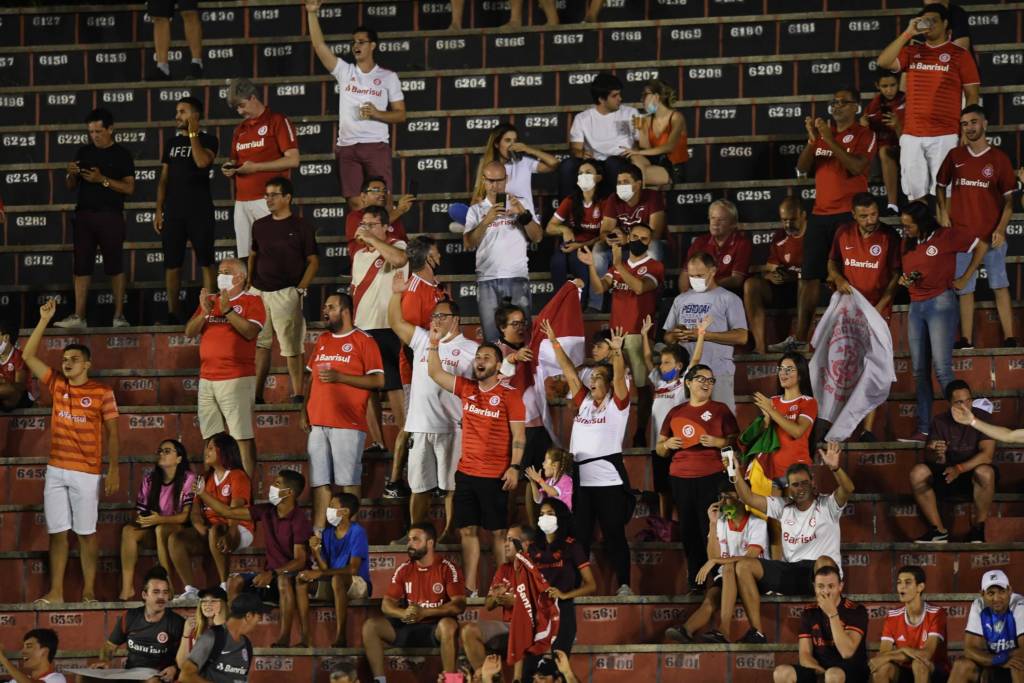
(577, 220)
(211, 611)
(663, 146)
(164, 504)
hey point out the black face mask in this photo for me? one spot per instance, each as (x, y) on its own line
(636, 247)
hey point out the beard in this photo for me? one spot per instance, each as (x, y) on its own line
(415, 554)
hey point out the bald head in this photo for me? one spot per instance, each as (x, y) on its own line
(494, 177)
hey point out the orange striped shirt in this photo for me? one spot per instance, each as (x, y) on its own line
(76, 423)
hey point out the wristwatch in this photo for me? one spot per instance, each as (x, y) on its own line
(106, 182)
(193, 135)
(302, 291)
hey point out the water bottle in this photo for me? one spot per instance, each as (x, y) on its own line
(729, 460)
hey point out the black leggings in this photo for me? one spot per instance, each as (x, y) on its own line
(605, 505)
(692, 498)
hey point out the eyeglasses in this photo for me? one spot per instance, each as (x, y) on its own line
(441, 316)
(705, 380)
(842, 103)
(516, 323)
(161, 451)
(369, 226)
(376, 190)
(270, 195)
(786, 369)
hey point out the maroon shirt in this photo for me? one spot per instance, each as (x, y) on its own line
(281, 248)
(626, 216)
(281, 534)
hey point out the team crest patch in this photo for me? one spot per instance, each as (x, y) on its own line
(727, 259)
(86, 401)
(437, 588)
(346, 348)
(225, 490)
(689, 431)
(932, 251)
(876, 250)
(379, 263)
(376, 81)
(494, 400)
(706, 415)
(161, 637)
(944, 57)
(988, 171)
(262, 131)
(642, 270)
(848, 138)
(237, 308)
(455, 352)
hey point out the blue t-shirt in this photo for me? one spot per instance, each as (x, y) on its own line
(1000, 631)
(338, 552)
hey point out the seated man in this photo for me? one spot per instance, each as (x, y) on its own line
(958, 463)
(152, 632)
(913, 637)
(15, 377)
(831, 637)
(994, 639)
(810, 540)
(38, 650)
(415, 614)
(728, 246)
(286, 529)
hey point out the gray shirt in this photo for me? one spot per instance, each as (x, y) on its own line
(689, 308)
(230, 665)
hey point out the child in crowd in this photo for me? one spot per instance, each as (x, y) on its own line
(884, 115)
(556, 479)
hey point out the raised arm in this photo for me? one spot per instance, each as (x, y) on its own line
(844, 485)
(564, 362)
(446, 380)
(749, 498)
(889, 58)
(395, 256)
(402, 327)
(965, 417)
(618, 365)
(316, 36)
(586, 257)
(28, 354)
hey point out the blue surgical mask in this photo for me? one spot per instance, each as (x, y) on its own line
(651, 107)
(670, 375)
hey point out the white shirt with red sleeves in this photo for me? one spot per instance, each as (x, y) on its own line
(597, 431)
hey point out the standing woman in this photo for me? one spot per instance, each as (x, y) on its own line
(929, 264)
(163, 505)
(598, 430)
(664, 148)
(211, 611)
(577, 220)
(692, 435)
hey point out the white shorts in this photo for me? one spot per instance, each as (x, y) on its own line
(433, 459)
(230, 401)
(247, 213)
(244, 538)
(358, 588)
(335, 451)
(920, 158)
(71, 500)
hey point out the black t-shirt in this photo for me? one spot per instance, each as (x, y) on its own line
(281, 248)
(561, 565)
(959, 26)
(152, 645)
(228, 665)
(188, 186)
(962, 441)
(113, 162)
(815, 625)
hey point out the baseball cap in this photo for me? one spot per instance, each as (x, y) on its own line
(249, 602)
(996, 577)
(547, 667)
(217, 593)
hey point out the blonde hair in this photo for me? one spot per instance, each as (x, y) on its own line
(490, 154)
(662, 90)
(562, 459)
(202, 623)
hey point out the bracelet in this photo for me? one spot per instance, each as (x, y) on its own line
(832, 616)
(192, 136)
(974, 421)
(557, 344)
(431, 348)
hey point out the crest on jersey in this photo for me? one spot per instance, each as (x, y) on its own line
(379, 263)
(86, 401)
(494, 400)
(944, 57)
(455, 352)
(225, 490)
(848, 138)
(988, 171)
(376, 81)
(437, 588)
(689, 431)
(161, 637)
(727, 259)
(932, 250)
(237, 308)
(876, 249)
(346, 348)
(262, 131)
(642, 270)
(706, 415)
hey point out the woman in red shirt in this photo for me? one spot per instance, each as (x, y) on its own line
(793, 410)
(577, 220)
(929, 263)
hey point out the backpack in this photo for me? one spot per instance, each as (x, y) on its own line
(220, 638)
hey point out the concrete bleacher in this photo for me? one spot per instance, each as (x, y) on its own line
(747, 72)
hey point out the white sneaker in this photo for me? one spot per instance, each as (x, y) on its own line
(72, 321)
(624, 591)
(121, 321)
(191, 593)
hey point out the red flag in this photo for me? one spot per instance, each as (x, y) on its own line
(535, 616)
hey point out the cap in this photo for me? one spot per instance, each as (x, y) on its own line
(216, 593)
(996, 577)
(248, 602)
(547, 667)
(983, 404)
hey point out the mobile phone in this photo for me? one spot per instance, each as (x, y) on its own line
(501, 199)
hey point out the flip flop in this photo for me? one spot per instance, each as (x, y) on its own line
(89, 601)
(42, 602)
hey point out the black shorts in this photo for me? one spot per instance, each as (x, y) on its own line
(787, 578)
(23, 402)
(414, 635)
(538, 441)
(907, 676)
(855, 671)
(659, 472)
(821, 230)
(480, 501)
(165, 8)
(782, 296)
(197, 228)
(270, 595)
(390, 346)
(103, 229)
(676, 172)
(962, 487)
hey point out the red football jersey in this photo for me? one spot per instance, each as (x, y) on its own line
(885, 135)
(689, 423)
(418, 303)
(898, 630)
(977, 187)
(786, 250)
(791, 450)
(486, 437)
(223, 352)
(428, 587)
(868, 263)
(235, 484)
(264, 138)
(395, 231)
(834, 186)
(591, 224)
(935, 79)
(935, 260)
(14, 364)
(629, 308)
(732, 257)
(651, 202)
(335, 404)
(505, 575)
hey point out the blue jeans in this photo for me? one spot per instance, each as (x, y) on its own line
(930, 329)
(491, 293)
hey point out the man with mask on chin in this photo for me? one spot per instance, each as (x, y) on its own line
(415, 612)
(728, 326)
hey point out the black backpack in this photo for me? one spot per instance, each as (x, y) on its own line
(220, 638)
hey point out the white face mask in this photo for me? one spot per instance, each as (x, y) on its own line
(586, 181)
(698, 284)
(274, 495)
(548, 524)
(624, 192)
(333, 518)
(225, 281)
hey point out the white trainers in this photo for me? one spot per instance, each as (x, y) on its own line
(72, 321)
(121, 321)
(624, 591)
(191, 593)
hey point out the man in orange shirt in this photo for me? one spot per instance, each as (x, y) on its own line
(84, 416)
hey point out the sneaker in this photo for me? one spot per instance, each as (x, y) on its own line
(298, 399)
(933, 535)
(395, 489)
(916, 437)
(892, 210)
(121, 321)
(783, 345)
(71, 321)
(867, 437)
(679, 635)
(714, 637)
(962, 343)
(195, 70)
(753, 637)
(436, 493)
(624, 591)
(375, 447)
(191, 593)
(1010, 343)
(976, 534)
(473, 594)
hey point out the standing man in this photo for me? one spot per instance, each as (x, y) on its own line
(728, 326)
(82, 421)
(228, 324)
(938, 72)
(839, 155)
(375, 193)
(103, 172)
(979, 202)
(223, 654)
(779, 284)
(282, 264)
(500, 233)
(366, 92)
(38, 650)
(726, 244)
(161, 11)
(263, 146)
(493, 426)
(184, 204)
(913, 636)
(345, 367)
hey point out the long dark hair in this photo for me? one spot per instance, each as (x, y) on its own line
(924, 219)
(577, 195)
(227, 451)
(156, 477)
(566, 525)
(803, 373)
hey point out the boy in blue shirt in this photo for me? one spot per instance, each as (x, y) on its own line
(994, 641)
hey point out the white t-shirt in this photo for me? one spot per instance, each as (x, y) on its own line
(734, 542)
(519, 181)
(1008, 642)
(54, 677)
(667, 395)
(809, 534)
(502, 252)
(690, 307)
(371, 287)
(379, 87)
(598, 431)
(604, 135)
(432, 410)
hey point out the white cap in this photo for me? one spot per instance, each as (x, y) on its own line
(996, 577)
(983, 404)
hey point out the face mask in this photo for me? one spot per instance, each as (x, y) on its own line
(670, 375)
(548, 524)
(636, 247)
(624, 192)
(729, 510)
(225, 281)
(585, 181)
(333, 518)
(651, 107)
(274, 495)
(698, 284)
